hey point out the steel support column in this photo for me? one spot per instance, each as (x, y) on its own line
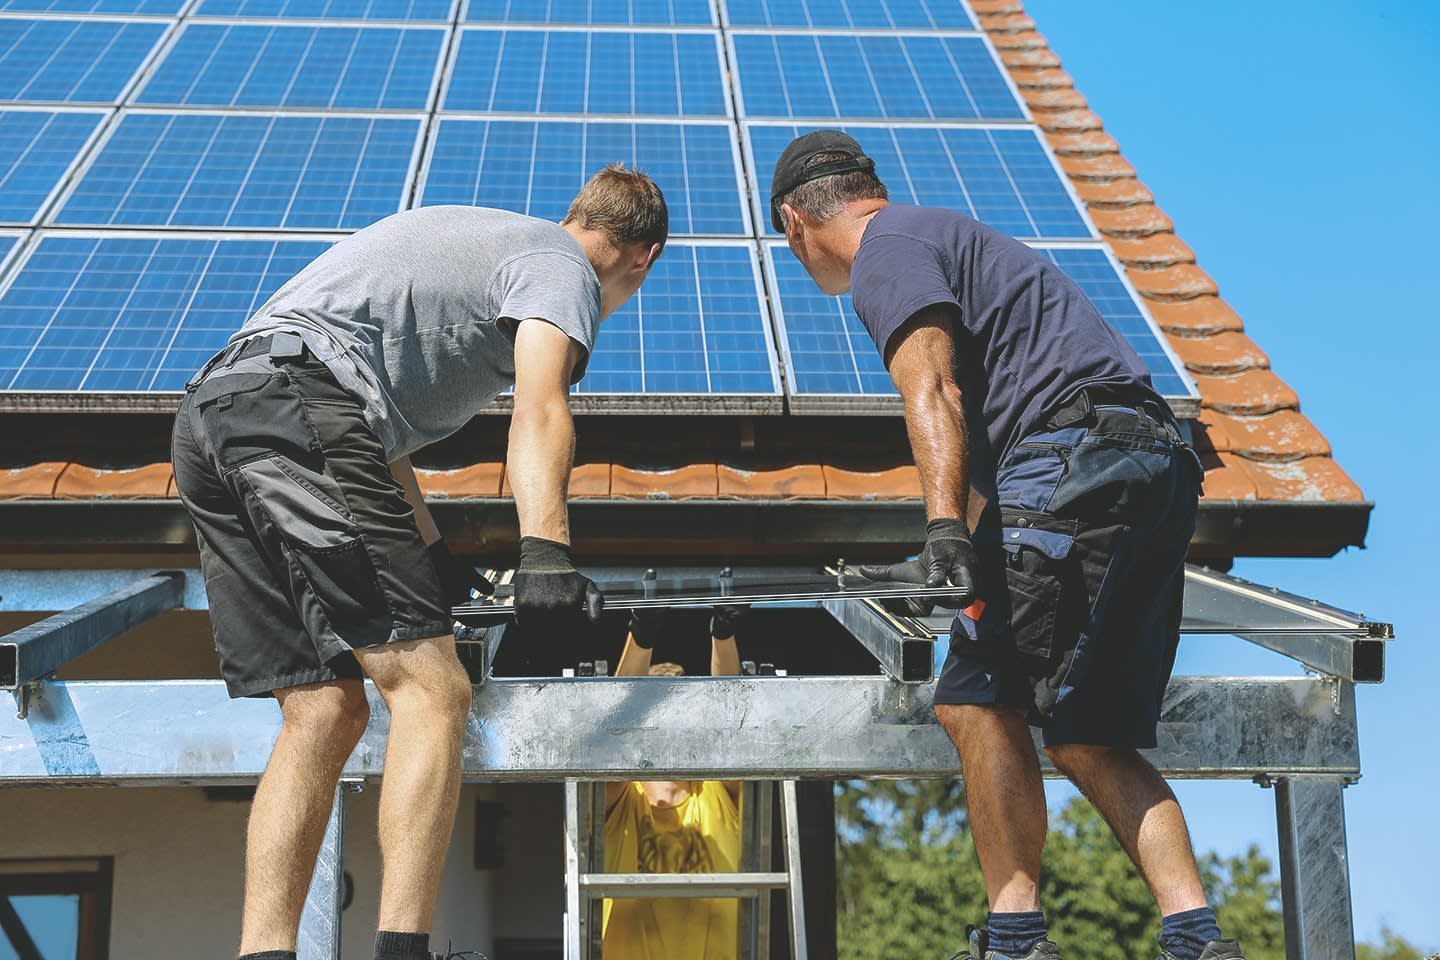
(320, 920)
(1314, 868)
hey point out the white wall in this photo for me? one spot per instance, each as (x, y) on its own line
(178, 861)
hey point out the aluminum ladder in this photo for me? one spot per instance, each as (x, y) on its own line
(587, 886)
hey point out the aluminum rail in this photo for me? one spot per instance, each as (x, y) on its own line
(36, 651)
(720, 728)
(627, 886)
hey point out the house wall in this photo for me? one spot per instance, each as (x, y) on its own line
(179, 855)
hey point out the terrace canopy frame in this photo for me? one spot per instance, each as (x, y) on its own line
(1297, 734)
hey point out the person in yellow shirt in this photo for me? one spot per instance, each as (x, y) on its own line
(669, 826)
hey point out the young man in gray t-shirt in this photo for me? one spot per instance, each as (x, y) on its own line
(322, 563)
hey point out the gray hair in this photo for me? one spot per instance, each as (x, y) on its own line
(824, 197)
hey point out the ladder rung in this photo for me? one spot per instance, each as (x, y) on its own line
(626, 886)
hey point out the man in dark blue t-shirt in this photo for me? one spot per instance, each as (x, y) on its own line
(1032, 423)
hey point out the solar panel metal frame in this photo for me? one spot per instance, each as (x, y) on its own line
(761, 204)
(741, 181)
(730, 27)
(142, 69)
(1185, 407)
(21, 236)
(124, 401)
(194, 13)
(173, 38)
(738, 92)
(103, 115)
(405, 194)
(722, 53)
(16, 14)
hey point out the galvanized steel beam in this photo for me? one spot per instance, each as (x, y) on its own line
(902, 653)
(319, 934)
(38, 650)
(723, 728)
(1314, 868)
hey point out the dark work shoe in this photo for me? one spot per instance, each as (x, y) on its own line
(1214, 950)
(979, 949)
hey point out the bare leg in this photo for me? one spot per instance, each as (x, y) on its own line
(322, 724)
(1006, 798)
(428, 693)
(1140, 808)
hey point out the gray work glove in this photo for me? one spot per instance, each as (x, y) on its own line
(948, 558)
(550, 594)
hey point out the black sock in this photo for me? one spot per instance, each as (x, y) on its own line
(269, 955)
(1184, 934)
(1014, 934)
(390, 945)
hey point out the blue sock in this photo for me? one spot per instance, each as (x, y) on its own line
(1013, 934)
(1185, 934)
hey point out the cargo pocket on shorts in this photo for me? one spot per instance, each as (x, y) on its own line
(1037, 567)
(250, 415)
(324, 542)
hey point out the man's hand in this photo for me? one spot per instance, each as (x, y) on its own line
(647, 625)
(457, 578)
(948, 559)
(549, 592)
(725, 619)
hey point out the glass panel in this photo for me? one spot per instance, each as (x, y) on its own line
(53, 922)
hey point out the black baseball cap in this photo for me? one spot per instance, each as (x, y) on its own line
(790, 169)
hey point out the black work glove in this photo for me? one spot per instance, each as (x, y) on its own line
(549, 592)
(948, 558)
(725, 619)
(646, 626)
(457, 578)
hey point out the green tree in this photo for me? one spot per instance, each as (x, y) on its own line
(1392, 946)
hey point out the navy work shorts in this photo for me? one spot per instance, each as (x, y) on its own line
(308, 546)
(1083, 577)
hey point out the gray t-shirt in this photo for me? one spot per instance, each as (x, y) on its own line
(416, 314)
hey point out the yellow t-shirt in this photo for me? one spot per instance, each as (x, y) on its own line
(699, 835)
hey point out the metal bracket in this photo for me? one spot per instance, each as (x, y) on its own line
(23, 695)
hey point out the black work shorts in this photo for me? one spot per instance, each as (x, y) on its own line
(1083, 579)
(308, 546)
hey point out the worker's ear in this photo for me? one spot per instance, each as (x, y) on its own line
(653, 254)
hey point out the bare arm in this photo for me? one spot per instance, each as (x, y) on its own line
(724, 657)
(634, 660)
(542, 432)
(922, 364)
(404, 475)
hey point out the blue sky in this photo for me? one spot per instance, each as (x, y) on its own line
(1296, 146)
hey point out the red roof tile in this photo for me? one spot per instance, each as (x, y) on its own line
(687, 482)
(476, 480)
(81, 482)
(793, 482)
(896, 483)
(28, 482)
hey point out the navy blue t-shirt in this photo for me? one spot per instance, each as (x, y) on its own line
(1026, 337)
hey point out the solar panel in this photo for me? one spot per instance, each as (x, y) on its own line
(330, 9)
(145, 7)
(356, 68)
(829, 355)
(38, 148)
(1002, 176)
(858, 14)
(246, 170)
(72, 61)
(9, 242)
(630, 12)
(537, 167)
(871, 77)
(133, 313)
(588, 72)
(697, 326)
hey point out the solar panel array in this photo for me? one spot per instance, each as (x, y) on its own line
(166, 164)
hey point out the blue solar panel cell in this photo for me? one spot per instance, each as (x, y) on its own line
(143, 7)
(697, 326)
(829, 353)
(537, 167)
(246, 171)
(72, 61)
(133, 313)
(1001, 176)
(627, 12)
(857, 14)
(37, 150)
(879, 77)
(8, 243)
(604, 72)
(424, 10)
(357, 68)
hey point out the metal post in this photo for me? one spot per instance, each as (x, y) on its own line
(1314, 869)
(573, 855)
(790, 820)
(320, 921)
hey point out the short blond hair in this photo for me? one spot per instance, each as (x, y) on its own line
(624, 204)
